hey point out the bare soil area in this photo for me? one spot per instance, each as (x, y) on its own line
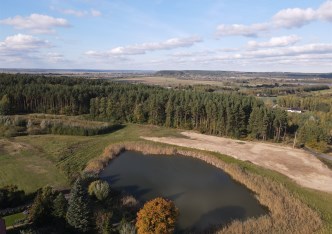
(297, 164)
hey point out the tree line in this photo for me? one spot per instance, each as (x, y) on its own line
(225, 114)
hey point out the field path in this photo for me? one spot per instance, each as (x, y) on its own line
(297, 164)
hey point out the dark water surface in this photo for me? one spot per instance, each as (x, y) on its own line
(205, 195)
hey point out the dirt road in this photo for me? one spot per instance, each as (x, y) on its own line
(297, 164)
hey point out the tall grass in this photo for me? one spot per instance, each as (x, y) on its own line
(287, 214)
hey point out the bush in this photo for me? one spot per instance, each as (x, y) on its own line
(41, 210)
(127, 228)
(100, 189)
(157, 216)
(10, 196)
(103, 222)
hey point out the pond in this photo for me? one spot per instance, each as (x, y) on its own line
(205, 195)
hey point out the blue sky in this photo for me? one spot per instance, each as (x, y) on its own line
(238, 35)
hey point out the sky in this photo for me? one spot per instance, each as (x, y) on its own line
(241, 35)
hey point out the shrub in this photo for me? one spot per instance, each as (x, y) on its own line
(100, 189)
(103, 222)
(157, 216)
(10, 196)
(127, 228)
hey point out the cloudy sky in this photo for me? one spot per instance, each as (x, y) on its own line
(241, 35)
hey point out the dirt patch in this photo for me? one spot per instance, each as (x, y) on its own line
(297, 164)
(11, 147)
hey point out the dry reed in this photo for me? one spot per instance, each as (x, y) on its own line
(287, 214)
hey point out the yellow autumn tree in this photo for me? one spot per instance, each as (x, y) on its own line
(157, 216)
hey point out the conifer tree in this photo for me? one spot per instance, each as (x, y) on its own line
(78, 213)
(60, 206)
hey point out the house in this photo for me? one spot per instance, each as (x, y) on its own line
(294, 110)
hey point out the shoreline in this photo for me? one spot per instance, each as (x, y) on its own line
(287, 214)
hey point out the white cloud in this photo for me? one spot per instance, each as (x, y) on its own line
(296, 17)
(73, 12)
(286, 18)
(146, 47)
(26, 49)
(21, 44)
(77, 13)
(275, 42)
(36, 23)
(318, 48)
(95, 13)
(54, 57)
(241, 30)
(324, 12)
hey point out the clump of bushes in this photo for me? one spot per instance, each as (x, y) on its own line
(11, 196)
(11, 126)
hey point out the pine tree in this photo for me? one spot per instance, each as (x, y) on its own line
(4, 105)
(78, 213)
(60, 206)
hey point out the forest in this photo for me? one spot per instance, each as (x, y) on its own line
(224, 113)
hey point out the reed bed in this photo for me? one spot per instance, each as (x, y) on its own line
(287, 214)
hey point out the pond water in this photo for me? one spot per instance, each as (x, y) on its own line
(205, 195)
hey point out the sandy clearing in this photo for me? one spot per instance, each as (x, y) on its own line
(297, 164)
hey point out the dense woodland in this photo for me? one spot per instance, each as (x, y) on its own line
(226, 114)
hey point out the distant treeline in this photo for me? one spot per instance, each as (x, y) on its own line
(275, 90)
(312, 103)
(293, 75)
(225, 114)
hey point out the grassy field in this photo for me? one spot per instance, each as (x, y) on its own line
(27, 167)
(31, 162)
(10, 220)
(171, 81)
(34, 161)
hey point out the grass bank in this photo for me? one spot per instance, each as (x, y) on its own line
(33, 161)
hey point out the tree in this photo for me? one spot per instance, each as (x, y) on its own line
(78, 213)
(100, 189)
(157, 216)
(4, 105)
(60, 206)
(41, 209)
(103, 222)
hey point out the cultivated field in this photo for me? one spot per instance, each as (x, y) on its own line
(297, 164)
(169, 81)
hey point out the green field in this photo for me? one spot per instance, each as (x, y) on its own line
(31, 162)
(11, 220)
(34, 161)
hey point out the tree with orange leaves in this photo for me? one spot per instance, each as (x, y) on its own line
(157, 216)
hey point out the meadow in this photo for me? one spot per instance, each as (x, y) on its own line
(34, 161)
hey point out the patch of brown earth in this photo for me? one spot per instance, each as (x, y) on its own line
(297, 164)
(12, 147)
